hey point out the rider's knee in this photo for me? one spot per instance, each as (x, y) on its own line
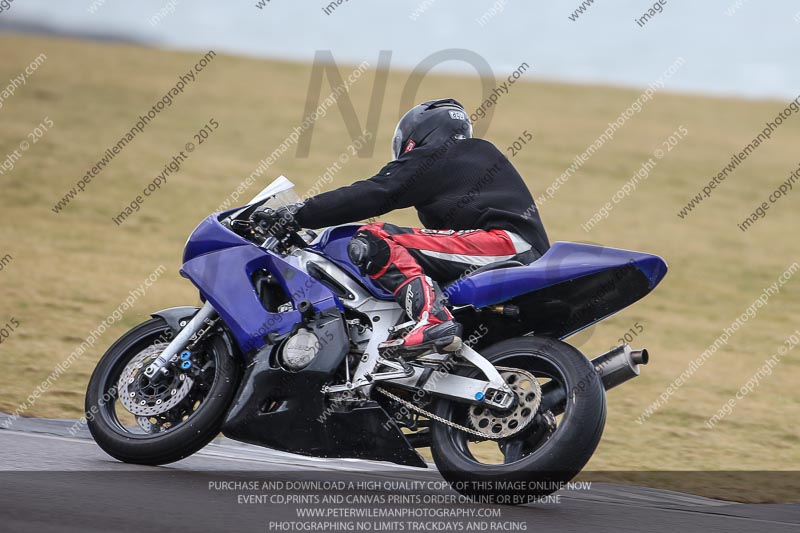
(374, 228)
(368, 251)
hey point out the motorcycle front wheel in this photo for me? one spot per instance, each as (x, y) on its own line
(154, 422)
(545, 455)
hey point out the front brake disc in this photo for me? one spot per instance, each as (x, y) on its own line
(144, 398)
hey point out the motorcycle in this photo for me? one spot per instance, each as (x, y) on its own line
(284, 354)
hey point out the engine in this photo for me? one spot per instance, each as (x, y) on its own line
(300, 349)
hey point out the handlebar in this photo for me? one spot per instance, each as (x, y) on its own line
(271, 235)
(282, 237)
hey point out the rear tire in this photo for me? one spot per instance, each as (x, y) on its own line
(175, 443)
(549, 463)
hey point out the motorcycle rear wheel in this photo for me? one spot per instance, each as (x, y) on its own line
(541, 458)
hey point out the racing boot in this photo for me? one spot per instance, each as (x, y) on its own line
(435, 330)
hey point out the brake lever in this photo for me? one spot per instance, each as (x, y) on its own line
(243, 228)
(241, 224)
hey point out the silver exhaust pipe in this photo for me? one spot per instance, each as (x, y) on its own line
(619, 365)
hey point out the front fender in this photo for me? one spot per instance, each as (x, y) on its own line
(175, 315)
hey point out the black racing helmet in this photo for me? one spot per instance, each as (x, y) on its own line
(431, 123)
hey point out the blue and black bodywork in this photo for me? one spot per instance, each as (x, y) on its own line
(262, 298)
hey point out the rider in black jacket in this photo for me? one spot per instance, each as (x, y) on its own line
(474, 205)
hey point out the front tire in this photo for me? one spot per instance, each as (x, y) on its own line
(541, 458)
(194, 423)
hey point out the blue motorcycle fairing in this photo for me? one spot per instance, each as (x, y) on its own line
(564, 261)
(210, 235)
(569, 288)
(332, 243)
(221, 265)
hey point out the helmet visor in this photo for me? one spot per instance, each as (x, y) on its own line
(397, 142)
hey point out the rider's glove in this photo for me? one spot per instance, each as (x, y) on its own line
(276, 222)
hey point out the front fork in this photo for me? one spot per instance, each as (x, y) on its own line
(207, 312)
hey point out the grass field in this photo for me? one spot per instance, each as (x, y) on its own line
(68, 271)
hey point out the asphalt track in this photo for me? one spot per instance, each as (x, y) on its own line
(51, 481)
